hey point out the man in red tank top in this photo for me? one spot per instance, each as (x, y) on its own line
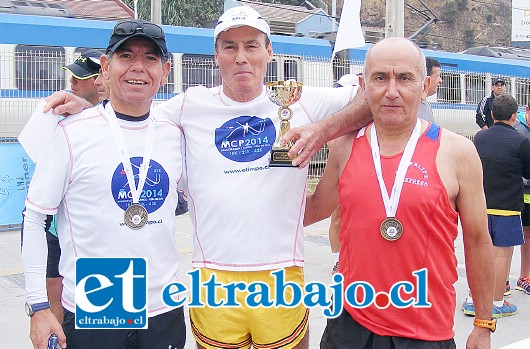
(402, 187)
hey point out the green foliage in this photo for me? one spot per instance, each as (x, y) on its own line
(188, 13)
(144, 8)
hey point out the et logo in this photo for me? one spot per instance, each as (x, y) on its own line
(111, 293)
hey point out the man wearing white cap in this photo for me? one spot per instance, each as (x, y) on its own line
(247, 216)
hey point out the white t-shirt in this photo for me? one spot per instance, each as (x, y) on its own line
(80, 178)
(246, 215)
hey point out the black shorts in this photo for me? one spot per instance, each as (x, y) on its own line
(525, 215)
(54, 254)
(166, 330)
(345, 333)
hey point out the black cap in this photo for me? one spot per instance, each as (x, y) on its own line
(137, 28)
(497, 80)
(86, 66)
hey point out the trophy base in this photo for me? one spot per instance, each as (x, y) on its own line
(279, 158)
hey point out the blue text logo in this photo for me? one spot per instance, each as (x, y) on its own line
(245, 138)
(111, 293)
(154, 192)
(358, 294)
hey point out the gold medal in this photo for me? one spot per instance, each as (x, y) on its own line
(391, 229)
(135, 216)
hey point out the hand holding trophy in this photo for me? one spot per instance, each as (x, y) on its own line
(284, 94)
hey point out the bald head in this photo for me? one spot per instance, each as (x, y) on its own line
(394, 81)
(396, 49)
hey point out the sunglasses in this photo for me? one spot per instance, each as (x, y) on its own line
(132, 27)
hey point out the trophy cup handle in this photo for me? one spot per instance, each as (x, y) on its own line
(284, 94)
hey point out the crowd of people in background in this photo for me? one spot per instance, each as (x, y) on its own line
(485, 119)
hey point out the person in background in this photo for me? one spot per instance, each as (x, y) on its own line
(483, 117)
(102, 87)
(386, 238)
(523, 282)
(182, 205)
(505, 156)
(435, 80)
(84, 71)
(347, 80)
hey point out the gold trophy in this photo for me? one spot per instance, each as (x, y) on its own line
(284, 94)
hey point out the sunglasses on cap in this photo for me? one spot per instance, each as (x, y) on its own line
(132, 27)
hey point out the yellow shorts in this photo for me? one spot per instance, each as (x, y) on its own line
(243, 326)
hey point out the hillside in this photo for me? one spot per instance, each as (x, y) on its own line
(463, 23)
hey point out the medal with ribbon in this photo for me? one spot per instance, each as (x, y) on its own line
(391, 228)
(136, 215)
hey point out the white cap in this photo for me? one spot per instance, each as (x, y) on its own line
(347, 80)
(241, 16)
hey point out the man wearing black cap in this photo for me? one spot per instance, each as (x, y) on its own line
(484, 118)
(97, 164)
(84, 71)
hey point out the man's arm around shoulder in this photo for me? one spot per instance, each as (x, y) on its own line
(64, 103)
(310, 138)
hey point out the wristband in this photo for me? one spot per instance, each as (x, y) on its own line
(489, 324)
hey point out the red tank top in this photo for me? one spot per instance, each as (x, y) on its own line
(430, 226)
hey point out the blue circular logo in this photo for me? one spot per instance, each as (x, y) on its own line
(155, 189)
(245, 138)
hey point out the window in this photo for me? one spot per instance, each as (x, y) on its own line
(38, 68)
(199, 70)
(283, 68)
(522, 91)
(169, 87)
(449, 91)
(475, 88)
(272, 71)
(290, 69)
(341, 67)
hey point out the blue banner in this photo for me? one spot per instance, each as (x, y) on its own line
(16, 169)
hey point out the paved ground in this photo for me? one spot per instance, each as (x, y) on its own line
(512, 332)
